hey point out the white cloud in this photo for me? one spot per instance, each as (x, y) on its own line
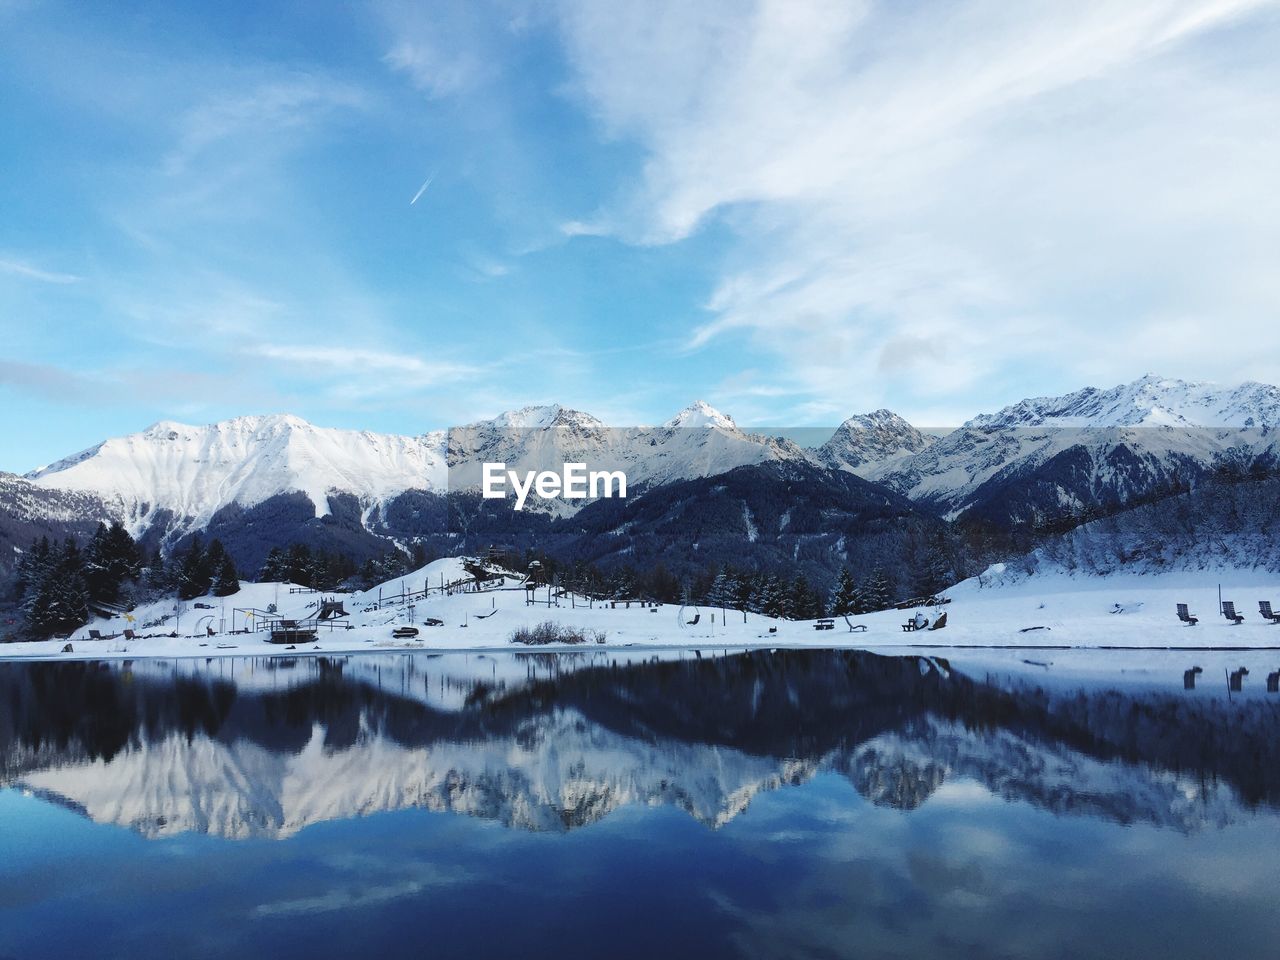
(262, 110)
(356, 361)
(1012, 186)
(24, 269)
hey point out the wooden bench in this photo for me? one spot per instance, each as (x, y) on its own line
(825, 624)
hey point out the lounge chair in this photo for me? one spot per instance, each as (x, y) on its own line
(1229, 611)
(940, 622)
(95, 635)
(1186, 617)
(694, 621)
(1264, 608)
(130, 635)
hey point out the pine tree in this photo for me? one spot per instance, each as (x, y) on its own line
(721, 592)
(844, 597)
(859, 603)
(111, 561)
(876, 596)
(800, 602)
(772, 598)
(32, 567)
(161, 577)
(226, 581)
(274, 568)
(194, 576)
(58, 601)
(300, 566)
(940, 572)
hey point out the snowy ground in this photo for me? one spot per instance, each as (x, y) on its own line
(1048, 610)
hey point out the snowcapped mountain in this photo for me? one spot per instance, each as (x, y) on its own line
(870, 442)
(189, 473)
(701, 414)
(699, 441)
(1058, 456)
(1037, 460)
(29, 511)
(193, 472)
(1150, 401)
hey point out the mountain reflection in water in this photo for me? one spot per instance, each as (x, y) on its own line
(263, 747)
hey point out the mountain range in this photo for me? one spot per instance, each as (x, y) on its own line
(1036, 462)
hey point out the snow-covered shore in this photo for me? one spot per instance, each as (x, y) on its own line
(1048, 609)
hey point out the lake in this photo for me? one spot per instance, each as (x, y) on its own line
(719, 804)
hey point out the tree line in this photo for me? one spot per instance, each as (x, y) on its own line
(60, 585)
(775, 593)
(57, 583)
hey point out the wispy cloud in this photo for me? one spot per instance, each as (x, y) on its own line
(264, 108)
(942, 195)
(445, 49)
(29, 271)
(358, 361)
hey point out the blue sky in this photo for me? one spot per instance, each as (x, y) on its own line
(797, 211)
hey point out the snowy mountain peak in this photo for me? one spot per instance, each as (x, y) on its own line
(701, 414)
(543, 417)
(1150, 401)
(870, 440)
(195, 471)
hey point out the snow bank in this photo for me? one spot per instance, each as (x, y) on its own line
(1002, 608)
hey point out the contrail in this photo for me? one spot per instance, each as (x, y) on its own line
(422, 189)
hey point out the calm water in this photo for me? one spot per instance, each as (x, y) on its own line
(794, 804)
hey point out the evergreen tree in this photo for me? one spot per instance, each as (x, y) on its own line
(721, 593)
(940, 572)
(226, 580)
(161, 576)
(58, 601)
(194, 576)
(32, 567)
(111, 561)
(300, 565)
(772, 599)
(844, 598)
(275, 568)
(861, 599)
(877, 594)
(801, 602)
